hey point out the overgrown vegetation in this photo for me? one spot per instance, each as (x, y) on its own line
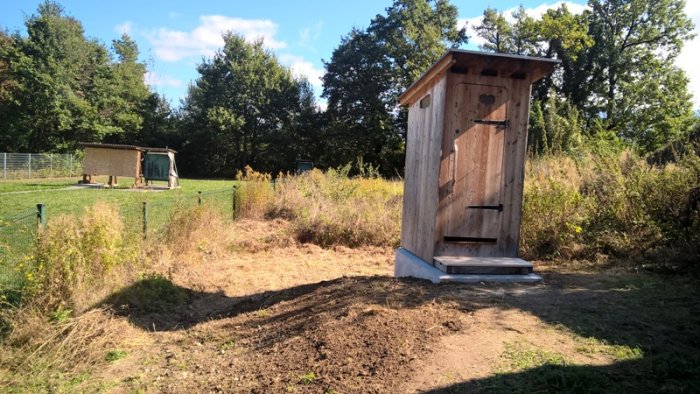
(609, 204)
(60, 327)
(328, 208)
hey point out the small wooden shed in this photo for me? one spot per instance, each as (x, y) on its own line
(466, 146)
(117, 160)
(114, 160)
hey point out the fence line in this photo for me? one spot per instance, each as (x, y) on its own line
(147, 219)
(39, 165)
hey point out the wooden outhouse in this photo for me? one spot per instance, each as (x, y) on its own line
(466, 146)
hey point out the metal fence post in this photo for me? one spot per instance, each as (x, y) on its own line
(40, 215)
(70, 166)
(51, 165)
(145, 219)
(233, 202)
(30, 166)
(4, 165)
(199, 197)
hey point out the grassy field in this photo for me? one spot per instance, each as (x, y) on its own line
(297, 295)
(18, 200)
(59, 196)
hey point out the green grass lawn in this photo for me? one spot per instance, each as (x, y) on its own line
(18, 200)
(21, 195)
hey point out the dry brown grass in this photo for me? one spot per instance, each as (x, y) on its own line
(47, 356)
(328, 208)
(264, 255)
(79, 260)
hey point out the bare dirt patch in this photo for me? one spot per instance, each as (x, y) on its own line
(271, 315)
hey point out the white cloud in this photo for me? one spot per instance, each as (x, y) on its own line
(205, 39)
(310, 34)
(302, 67)
(687, 60)
(124, 28)
(154, 79)
(535, 12)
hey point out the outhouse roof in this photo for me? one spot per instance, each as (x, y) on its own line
(504, 65)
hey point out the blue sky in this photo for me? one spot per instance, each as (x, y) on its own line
(173, 36)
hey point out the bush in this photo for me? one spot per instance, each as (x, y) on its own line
(79, 260)
(614, 204)
(329, 208)
(254, 194)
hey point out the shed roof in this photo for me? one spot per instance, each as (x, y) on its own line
(504, 64)
(125, 147)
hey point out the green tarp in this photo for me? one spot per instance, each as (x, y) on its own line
(156, 167)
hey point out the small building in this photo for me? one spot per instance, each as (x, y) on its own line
(142, 164)
(466, 146)
(303, 166)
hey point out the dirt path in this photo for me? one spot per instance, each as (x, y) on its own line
(279, 317)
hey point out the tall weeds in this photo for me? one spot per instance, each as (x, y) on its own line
(612, 204)
(79, 260)
(328, 208)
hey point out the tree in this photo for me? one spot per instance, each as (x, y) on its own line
(635, 39)
(496, 32)
(128, 91)
(8, 89)
(67, 88)
(617, 63)
(371, 67)
(242, 110)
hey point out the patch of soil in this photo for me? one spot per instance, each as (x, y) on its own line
(359, 334)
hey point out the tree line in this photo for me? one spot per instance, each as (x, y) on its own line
(617, 83)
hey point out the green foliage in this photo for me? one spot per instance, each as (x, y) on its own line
(367, 72)
(307, 378)
(519, 37)
(617, 65)
(612, 203)
(555, 126)
(60, 88)
(554, 214)
(115, 355)
(518, 357)
(75, 259)
(245, 109)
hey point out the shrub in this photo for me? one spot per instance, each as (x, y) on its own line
(329, 208)
(79, 259)
(613, 204)
(254, 193)
(553, 220)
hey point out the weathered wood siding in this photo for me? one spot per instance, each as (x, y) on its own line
(115, 162)
(511, 168)
(420, 199)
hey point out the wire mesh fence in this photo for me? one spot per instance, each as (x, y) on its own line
(18, 233)
(17, 241)
(39, 165)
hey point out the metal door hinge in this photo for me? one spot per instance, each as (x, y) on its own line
(504, 123)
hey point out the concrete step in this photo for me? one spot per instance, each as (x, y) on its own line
(409, 265)
(467, 265)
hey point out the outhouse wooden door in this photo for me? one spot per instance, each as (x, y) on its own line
(475, 206)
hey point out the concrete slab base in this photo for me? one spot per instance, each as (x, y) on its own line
(409, 265)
